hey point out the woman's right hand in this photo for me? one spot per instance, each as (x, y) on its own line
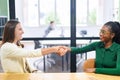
(63, 50)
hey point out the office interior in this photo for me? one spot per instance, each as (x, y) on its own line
(77, 23)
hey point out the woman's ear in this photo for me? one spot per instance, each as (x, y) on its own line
(112, 35)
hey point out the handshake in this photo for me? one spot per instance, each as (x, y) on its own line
(62, 50)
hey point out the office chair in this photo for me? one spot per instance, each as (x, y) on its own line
(47, 60)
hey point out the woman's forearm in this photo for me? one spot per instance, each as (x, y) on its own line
(49, 50)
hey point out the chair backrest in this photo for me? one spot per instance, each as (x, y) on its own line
(83, 33)
(89, 63)
(37, 44)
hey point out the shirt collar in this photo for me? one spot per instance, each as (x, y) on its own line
(110, 48)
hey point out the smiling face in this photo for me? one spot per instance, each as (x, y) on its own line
(105, 34)
(18, 32)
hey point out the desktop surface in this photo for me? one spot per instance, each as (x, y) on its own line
(56, 76)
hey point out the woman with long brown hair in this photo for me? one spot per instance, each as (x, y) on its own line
(13, 56)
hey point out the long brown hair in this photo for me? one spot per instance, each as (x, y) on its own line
(9, 32)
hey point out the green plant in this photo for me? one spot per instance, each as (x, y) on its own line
(92, 17)
(52, 17)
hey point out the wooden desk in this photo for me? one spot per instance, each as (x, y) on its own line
(56, 76)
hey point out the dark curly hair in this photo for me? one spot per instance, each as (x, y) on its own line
(114, 27)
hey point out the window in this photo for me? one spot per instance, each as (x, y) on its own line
(116, 14)
(86, 12)
(30, 13)
(40, 12)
